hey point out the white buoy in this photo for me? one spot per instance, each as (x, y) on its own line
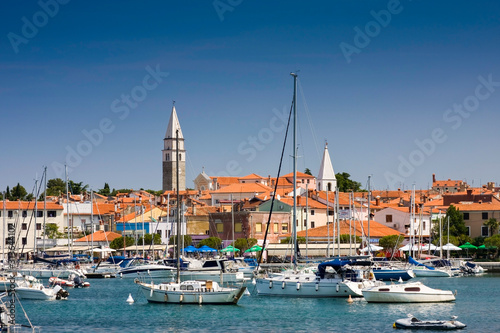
(130, 300)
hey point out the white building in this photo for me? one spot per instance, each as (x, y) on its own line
(400, 219)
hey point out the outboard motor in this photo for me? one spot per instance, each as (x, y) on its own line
(78, 282)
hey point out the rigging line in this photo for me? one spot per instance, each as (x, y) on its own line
(309, 120)
(190, 163)
(276, 186)
(37, 192)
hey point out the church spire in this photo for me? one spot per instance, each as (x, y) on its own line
(326, 175)
(173, 125)
(170, 156)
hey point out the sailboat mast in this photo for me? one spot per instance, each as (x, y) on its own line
(294, 218)
(178, 207)
(369, 201)
(67, 207)
(44, 206)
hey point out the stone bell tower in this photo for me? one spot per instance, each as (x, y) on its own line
(172, 155)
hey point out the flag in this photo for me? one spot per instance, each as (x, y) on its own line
(153, 219)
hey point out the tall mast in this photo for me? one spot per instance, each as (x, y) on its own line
(232, 221)
(36, 214)
(294, 219)
(92, 225)
(178, 206)
(67, 207)
(337, 207)
(44, 206)
(327, 226)
(307, 218)
(369, 200)
(3, 230)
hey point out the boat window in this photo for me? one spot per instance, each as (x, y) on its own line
(183, 287)
(384, 289)
(190, 287)
(412, 289)
(211, 263)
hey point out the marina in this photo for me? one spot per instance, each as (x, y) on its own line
(103, 308)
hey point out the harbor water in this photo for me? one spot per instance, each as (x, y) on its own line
(103, 308)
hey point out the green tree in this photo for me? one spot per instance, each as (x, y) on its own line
(493, 241)
(56, 187)
(344, 239)
(117, 243)
(187, 240)
(7, 193)
(307, 171)
(52, 231)
(18, 193)
(288, 240)
(244, 243)
(123, 190)
(213, 242)
(457, 226)
(391, 243)
(77, 188)
(492, 224)
(148, 238)
(105, 190)
(345, 184)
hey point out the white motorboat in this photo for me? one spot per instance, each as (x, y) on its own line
(191, 292)
(410, 292)
(28, 289)
(140, 269)
(428, 268)
(336, 278)
(413, 323)
(219, 270)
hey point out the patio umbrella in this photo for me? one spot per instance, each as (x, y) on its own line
(428, 247)
(190, 249)
(467, 246)
(408, 247)
(206, 248)
(372, 248)
(255, 248)
(230, 248)
(484, 247)
(449, 247)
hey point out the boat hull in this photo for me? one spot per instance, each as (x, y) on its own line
(226, 296)
(413, 292)
(316, 289)
(424, 272)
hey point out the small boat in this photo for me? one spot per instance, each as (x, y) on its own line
(35, 290)
(74, 282)
(191, 292)
(413, 323)
(410, 292)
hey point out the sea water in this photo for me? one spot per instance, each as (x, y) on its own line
(103, 308)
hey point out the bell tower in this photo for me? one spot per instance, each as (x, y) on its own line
(172, 156)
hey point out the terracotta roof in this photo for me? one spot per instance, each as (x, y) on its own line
(100, 236)
(449, 183)
(252, 176)
(485, 206)
(299, 175)
(226, 180)
(28, 205)
(244, 188)
(377, 230)
(301, 202)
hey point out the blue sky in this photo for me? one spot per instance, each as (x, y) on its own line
(399, 89)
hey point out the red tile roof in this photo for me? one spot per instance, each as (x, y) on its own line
(100, 236)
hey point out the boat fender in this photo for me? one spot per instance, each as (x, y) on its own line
(372, 277)
(455, 293)
(283, 285)
(338, 287)
(181, 298)
(298, 285)
(270, 284)
(317, 286)
(200, 299)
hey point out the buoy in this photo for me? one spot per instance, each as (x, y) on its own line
(317, 286)
(200, 299)
(271, 284)
(349, 299)
(338, 287)
(130, 300)
(121, 275)
(283, 285)
(298, 285)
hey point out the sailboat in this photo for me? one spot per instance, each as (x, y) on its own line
(190, 291)
(336, 278)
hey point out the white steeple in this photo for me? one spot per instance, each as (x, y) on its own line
(326, 175)
(173, 125)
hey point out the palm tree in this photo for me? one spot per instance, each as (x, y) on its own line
(493, 225)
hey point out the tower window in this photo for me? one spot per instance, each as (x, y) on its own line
(168, 157)
(180, 157)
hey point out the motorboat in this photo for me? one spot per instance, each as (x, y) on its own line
(412, 322)
(72, 282)
(336, 278)
(191, 292)
(386, 271)
(409, 292)
(431, 268)
(470, 268)
(28, 289)
(138, 268)
(219, 270)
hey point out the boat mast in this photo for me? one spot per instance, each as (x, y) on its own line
(178, 206)
(337, 207)
(3, 230)
(294, 218)
(232, 221)
(369, 214)
(92, 225)
(44, 206)
(67, 207)
(307, 218)
(327, 226)
(36, 214)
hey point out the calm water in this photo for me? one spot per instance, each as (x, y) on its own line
(103, 308)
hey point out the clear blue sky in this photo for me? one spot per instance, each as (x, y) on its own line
(376, 77)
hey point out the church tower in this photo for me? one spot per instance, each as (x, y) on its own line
(170, 158)
(326, 176)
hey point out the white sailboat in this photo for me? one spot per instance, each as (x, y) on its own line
(191, 291)
(335, 278)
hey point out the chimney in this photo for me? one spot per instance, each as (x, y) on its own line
(377, 200)
(433, 177)
(469, 193)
